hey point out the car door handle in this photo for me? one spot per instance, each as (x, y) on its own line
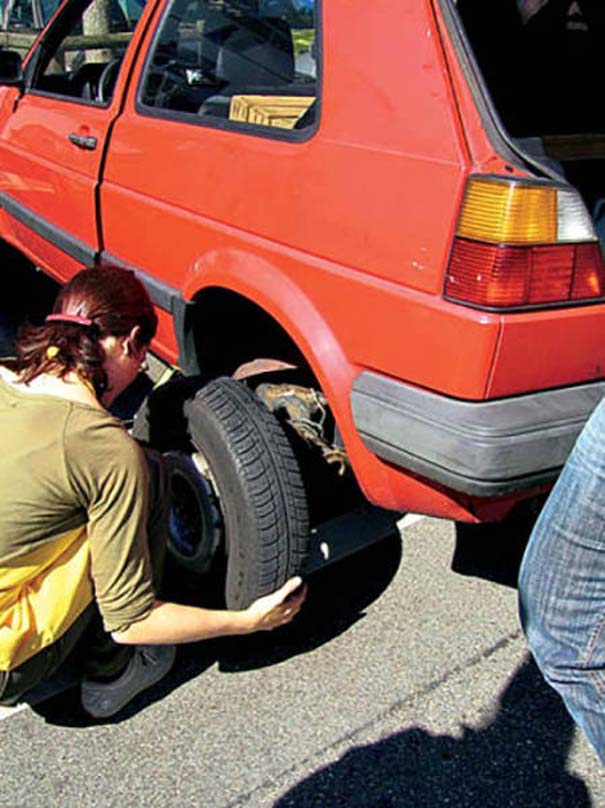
(86, 142)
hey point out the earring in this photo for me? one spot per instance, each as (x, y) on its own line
(143, 366)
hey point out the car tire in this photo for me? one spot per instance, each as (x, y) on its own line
(251, 478)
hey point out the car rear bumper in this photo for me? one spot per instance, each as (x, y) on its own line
(482, 448)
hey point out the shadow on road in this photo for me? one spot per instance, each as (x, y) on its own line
(493, 551)
(518, 761)
(337, 599)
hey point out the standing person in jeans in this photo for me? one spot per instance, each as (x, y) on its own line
(82, 510)
(562, 584)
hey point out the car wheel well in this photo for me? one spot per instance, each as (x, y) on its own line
(232, 336)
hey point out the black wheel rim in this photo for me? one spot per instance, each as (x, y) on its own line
(195, 520)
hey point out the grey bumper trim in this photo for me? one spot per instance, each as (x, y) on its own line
(483, 448)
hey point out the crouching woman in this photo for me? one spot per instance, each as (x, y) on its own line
(82, 511)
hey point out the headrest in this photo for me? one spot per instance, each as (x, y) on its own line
(258, 52)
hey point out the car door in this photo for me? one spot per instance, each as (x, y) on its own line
(53, 134)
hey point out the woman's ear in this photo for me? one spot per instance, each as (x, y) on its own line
(132, 343)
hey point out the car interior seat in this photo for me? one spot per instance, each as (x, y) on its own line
(255, 57)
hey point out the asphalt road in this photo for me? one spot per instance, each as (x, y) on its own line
(405, 683)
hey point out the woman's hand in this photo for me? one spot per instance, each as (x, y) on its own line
(175, 623)
(278, 608)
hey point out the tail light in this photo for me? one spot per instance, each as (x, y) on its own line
(520, 244)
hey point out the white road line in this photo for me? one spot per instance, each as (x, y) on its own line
(410, 519)
(9, 712)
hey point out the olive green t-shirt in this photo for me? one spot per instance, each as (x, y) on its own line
(64, 464)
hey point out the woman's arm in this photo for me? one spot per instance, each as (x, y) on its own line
(169, 623)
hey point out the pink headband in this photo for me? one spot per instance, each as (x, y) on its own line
(69, 318)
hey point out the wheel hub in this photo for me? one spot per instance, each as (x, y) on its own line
(195, 522)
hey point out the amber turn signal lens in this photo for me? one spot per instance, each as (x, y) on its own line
(509, 212)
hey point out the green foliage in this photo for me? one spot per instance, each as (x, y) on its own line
(303, 39)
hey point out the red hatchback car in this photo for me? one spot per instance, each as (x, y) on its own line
(372, 233)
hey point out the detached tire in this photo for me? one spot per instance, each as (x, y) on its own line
(258, 487)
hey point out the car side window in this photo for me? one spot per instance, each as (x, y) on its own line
(85, 59)
(229, 63)
(22, 15)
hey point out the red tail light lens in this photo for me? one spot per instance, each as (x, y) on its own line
(499, 276)
(588, 274)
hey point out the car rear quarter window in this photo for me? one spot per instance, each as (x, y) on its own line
(243, 65)
(541, 61)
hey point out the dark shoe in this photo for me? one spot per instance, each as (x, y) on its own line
(148, 664)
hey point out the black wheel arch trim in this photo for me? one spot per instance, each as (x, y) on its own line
(163, 295)
(170, 299)
(78, 250)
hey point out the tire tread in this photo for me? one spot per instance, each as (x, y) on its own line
(261, 455)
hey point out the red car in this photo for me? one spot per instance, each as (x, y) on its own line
(372, 235)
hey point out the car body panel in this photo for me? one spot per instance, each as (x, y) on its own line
(341, 233)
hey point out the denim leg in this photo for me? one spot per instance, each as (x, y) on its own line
(562, 584)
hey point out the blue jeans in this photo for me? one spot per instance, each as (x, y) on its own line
(562, 584)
